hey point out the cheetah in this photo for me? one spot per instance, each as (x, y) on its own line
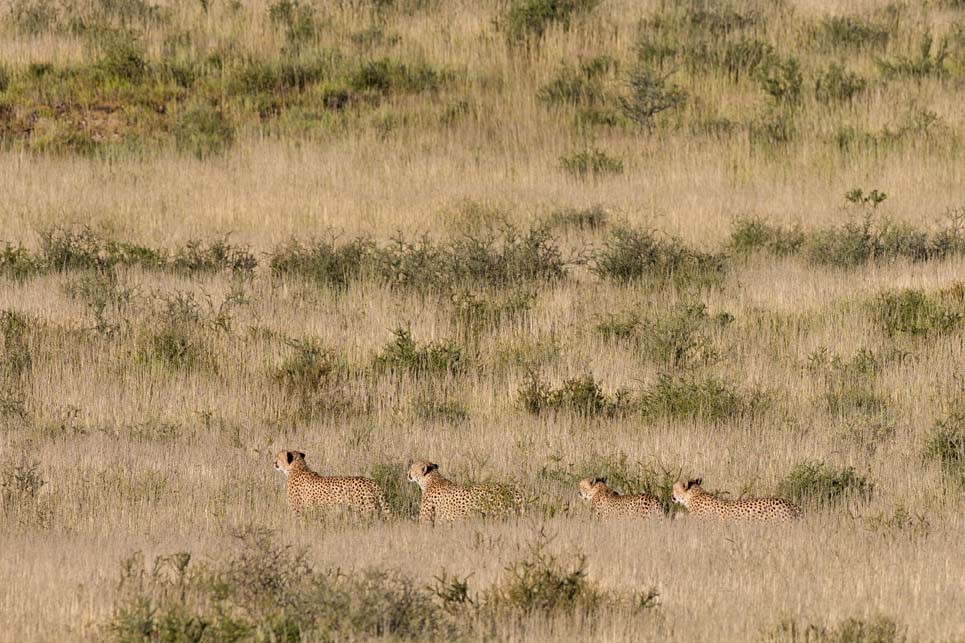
(308, 489)
(607, 503)
(446, 501)
(701, 504)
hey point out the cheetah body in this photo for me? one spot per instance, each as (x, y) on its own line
(608, 504)
(703, 505)
(446, 501)
(309, 489)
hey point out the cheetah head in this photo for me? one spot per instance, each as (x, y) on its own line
(419, 472)
(589, 487)
(285, 459)
(683, 491)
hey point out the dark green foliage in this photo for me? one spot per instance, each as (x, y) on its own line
(650, 93)
(691, 397)
(850, 32)
(296, 19)
(474, 315)
(528, 20)
(317, 380)
(591, 162)
(579, 86)
(837, 84)
(581, 395)
(753, 234)
(207, 257)
(783, 81)
(385, 76)
(403, 354)
(926, 63)
(946, 442)
(632, 254)
(203, 130)
(818, 484)
(747, 58)
(677, 339)
(402, 496)
(324, 261)
(919, 313)
(16, 262)
(543, 584)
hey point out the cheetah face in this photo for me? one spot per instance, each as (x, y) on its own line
(285, 459)
(589, 487)
(419, 470)
(683, 490)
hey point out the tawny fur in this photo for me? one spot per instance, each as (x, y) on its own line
(446, 501)
(607, 503)
(308, 489)
(701, 504)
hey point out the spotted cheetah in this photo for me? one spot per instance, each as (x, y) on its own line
(701, 504)
(607, 503)
(446, 501)
(308, 489)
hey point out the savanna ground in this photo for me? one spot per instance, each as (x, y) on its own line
(531, 241)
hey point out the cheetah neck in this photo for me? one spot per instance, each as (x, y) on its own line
(434, 479)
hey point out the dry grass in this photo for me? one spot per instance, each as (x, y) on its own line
(151, 421)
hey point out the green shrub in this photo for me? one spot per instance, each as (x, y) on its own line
(474, 315)
(207, 257)
(687, 397)
(816, 483)
(506, 256)
(844, 398)
(16, 262)
(442, 409)
(308, 367)
(17, 359)
(916, 312)
(591, 162)
(926, 63)
(620, 326)
(649, 94)
(946, 443)
(528, 20)
(385, 76)
(582, 395)
(580, 86)
(323, 261)
(747, 58)
(543, 584)
(297, 20)
(837, 84)
(20, 481)
(401, 496)
(123, 60)
(203, 130)
(752, 234)
(403, 354)
(783, 81)
(180, 346)
(840, 32)
(633, 254)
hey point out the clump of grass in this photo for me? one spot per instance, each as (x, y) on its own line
(64, 248)
(326, 262)
(929, 61)
(591, 162)
(317, 379)
(474, 315)
(635, 254)
(849, 32)
(385, 76)
(878, 629)
(687, 397)
(753, 234)
(203, 130)
(677, 339)
(441, 409)
(818, 484)
(401, 496)
(582, 395)
(917, 312)
(592, 218)
(946, 442)
(837, 84)
(528, 20)
(17, 262)
(649, 94)
(404, 354)
(207, 257)
(850, 397)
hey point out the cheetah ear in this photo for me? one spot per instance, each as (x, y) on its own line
(429, 467)
(290, 456)
(601, 480)
(301, 454)
(694, 483)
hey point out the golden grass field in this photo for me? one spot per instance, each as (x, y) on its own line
(148, 375)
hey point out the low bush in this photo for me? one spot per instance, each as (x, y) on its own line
(753, 234)
(203, 130)
(473, 315)
(917, 312)
(689, 397)
(528, 20)
(327, 262)
(878, 629)
(818, 484)
(591, 162)
(403, 354)
(581, 395)
(592, 218)
(946, 442)
(634, 254)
